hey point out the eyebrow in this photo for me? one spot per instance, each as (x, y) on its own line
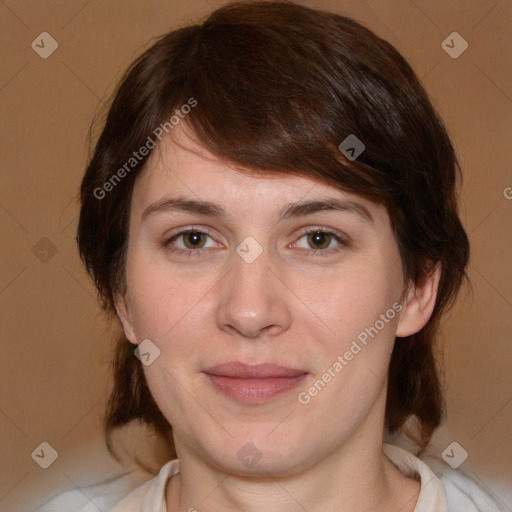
(290, 210)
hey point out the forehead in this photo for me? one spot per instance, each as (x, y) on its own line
(181, 166)
(183, 162)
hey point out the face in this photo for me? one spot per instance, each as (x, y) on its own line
(274, 301)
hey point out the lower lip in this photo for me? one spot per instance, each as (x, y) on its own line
(254, 391)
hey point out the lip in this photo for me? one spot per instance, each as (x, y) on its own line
(253, 384)
(239, 370)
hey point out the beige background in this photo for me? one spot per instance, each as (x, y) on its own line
(55, 344)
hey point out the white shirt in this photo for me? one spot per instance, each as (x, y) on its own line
(451, 492)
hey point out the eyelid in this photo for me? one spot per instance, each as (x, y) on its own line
(342, 239)
(183, 231)
(322, 229)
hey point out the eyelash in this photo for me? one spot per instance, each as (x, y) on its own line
(342, 241)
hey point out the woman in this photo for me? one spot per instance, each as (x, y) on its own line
(271, 213)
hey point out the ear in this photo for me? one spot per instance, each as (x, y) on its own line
(125, 317)
(419, 303)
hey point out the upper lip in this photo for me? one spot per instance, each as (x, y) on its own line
(239, 370)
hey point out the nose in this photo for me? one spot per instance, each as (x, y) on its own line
(253, 301)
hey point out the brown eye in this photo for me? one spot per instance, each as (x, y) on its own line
(320, 242)
(194, 239)
(319, 239)
(191, 241)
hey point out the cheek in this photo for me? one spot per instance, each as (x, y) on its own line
(160, 298)
(355, 300)
(174, 312)
(354, 360)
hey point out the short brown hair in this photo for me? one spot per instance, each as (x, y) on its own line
(278, 87)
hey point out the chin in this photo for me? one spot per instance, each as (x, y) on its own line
(258, 456)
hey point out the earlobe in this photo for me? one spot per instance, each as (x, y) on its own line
(125, 317)
(419, 303)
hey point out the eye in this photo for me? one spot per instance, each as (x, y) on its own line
(191, 240)
(317, 241)
(322, 242)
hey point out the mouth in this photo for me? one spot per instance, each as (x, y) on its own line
(253, 384)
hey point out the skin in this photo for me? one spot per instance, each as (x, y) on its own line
(289, 306)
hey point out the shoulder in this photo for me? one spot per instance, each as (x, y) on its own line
(443, 488)
(463, 493)
(150, 496)
(101, 496)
